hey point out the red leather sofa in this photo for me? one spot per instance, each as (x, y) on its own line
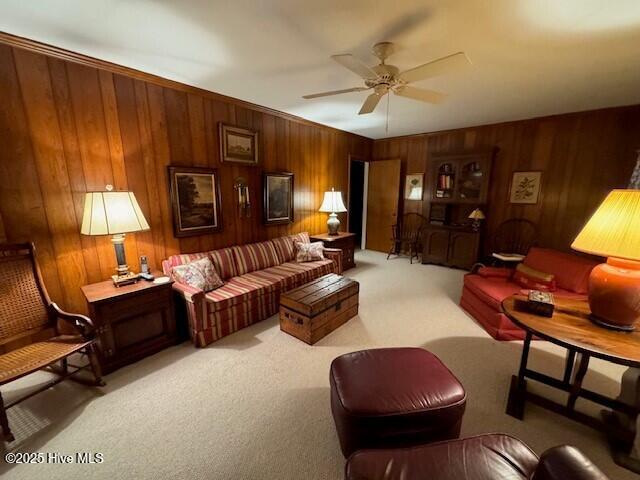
(485, 457)
(483, 292)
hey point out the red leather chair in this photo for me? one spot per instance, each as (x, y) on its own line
(485, 457)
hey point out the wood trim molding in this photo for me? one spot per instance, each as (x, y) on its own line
(505, 123)
(68, 55)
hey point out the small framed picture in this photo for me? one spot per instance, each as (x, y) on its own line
(278, 198)
(238, 145)
(525, 187)
(413, 186)
(195, 200)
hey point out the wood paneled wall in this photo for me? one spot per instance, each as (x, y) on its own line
(582, 156)
(67, 127)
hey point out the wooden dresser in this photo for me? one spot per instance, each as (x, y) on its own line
(343, 240)
(132, 321)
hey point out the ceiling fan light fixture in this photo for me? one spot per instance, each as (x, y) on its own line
(383, 78)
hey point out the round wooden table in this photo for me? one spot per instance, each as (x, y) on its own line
(571, 328)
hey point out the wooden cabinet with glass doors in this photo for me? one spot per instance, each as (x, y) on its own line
(460, 178)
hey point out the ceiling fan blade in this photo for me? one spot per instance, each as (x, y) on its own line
(429, 96)
(356, 66)
(446, 64)
(370, 104)
(335, 92)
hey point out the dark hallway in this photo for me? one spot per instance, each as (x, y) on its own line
(356, 192)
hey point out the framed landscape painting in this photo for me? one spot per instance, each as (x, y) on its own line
(238, 145)
(525, 187)
(195, 200)
(278, 198)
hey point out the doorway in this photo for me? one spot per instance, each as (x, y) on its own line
(383, 193)
(358, 175)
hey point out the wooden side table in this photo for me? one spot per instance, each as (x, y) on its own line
(571, 328)
(132, 321)
(345, 241)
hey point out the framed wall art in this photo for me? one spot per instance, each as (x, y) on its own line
(278, 198)
(413, 186)
(238, 145)
(525, 187)
(195, 200)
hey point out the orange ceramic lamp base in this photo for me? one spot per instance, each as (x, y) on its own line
(614, 293)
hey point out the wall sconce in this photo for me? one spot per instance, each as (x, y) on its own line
(244, 204)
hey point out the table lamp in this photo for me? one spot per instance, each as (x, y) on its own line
(614, 232)
(476, 216)
(333, 204)
(114, 213)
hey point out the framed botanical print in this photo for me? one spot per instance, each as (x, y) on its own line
(278, 198)
(525, 187)
(413, 186)
(238, 145)
(195, 200)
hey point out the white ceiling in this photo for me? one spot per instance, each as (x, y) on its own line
(530, 57)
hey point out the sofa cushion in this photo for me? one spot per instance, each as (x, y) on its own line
(183, 259)
(304, 272)
(284, 248)
(224, 262)
(237, 290)
(491, 290)
(286, 278)
(498, 272)
(270, 281)
(255, 256)
(247, 287)
(572, 272)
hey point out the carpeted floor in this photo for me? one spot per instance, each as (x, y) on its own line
(256, 404)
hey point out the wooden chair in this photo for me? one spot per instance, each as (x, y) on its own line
(407, 232)
(34, 333)
(516, 235)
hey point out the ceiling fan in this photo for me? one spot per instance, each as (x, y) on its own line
(384, 78)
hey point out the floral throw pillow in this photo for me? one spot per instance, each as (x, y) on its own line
(200, 274)
(309, 252)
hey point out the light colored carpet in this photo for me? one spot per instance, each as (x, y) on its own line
(256, 404)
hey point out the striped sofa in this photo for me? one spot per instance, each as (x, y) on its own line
(254, 276)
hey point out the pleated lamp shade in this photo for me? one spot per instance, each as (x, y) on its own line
(332, 202)
(614, 229)
(110, 213)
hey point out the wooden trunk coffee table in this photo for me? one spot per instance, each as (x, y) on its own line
(571, 328)
(317, 308)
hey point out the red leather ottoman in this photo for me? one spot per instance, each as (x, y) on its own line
(485, 457)
(394, 397)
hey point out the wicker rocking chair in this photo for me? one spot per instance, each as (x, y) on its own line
(407, 232)
(34, 333)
